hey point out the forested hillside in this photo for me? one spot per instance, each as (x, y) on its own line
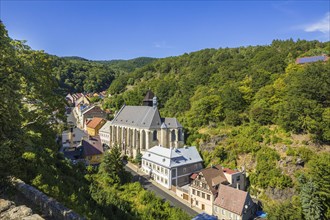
(32, 109)
(76, 74)
(251, 107)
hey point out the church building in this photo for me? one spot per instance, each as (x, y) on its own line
(138, 128)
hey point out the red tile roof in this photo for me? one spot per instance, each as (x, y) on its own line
(229, 171)
(231, 199)
(94, 122)
(193, 176)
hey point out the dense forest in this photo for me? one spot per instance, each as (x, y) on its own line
(250, 107)
(76, 74)
(31, 116)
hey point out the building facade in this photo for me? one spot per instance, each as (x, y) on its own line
(236, 178)
(104, 133)
(204, 187)
(138, 128)
(93, 126)
(234, 204)
(171, 167)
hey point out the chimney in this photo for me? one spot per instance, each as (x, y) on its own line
(71, 136)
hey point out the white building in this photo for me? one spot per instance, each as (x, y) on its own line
(171, 166)
(104, 133)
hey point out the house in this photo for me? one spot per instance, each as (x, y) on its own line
(92, 150)
(82, 100)
(235, 204)
(204, 187)
(93, 126)
(171, 167)
(71, 138)
(104, 133)
(235, 178)
(304, 60)
(89, 113)
(137, 128)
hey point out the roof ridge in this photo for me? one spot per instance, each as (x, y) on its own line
(120, 110)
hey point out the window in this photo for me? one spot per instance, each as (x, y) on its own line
(165, 181)
(173, 173)
(208, 197)
(173, 135)
(179, 135)
(162, 170)
(162, 179)
(230, 214)
(193, 191)
(198, 193)
(154, 135)
(203, 195)
(223, 212)
(238, 178)
(184, 170)
(197, 201)
(166, 172)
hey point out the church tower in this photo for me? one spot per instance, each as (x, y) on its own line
(148, 99)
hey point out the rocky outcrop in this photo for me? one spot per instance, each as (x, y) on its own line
(8, 210)
(48, 205)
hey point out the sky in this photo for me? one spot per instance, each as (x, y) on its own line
(106, 30)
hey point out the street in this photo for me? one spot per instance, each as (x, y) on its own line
(160, 192)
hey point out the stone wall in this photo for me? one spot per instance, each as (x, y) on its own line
(9, 211)
(48, 205)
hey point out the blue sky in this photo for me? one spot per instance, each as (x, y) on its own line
(104, 30)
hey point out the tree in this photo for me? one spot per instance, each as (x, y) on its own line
(311, 202)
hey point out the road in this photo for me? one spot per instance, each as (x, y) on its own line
(160, 192)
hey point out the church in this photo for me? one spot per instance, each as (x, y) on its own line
(138, 128)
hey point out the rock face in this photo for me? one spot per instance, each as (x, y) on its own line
(8, 210)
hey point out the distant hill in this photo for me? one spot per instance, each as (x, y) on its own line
(74, 58)
(128, 65)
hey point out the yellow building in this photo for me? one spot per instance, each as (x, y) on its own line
(94, 125)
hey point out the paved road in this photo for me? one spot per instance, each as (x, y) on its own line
(160, 192)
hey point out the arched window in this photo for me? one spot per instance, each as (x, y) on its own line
(180, 136)
(154, 135)
(173, 135)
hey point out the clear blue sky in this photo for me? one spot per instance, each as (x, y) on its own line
(104, 30)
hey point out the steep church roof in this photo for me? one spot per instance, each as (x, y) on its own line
(138, 116)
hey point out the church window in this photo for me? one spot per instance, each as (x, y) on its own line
(154, 136)
(173, 135)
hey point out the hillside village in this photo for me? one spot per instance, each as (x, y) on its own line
(157, 145)
(140, 131)
(229, 133)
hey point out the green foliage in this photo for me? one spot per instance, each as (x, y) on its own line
(267, 174)
(311, 202)
(288, 209)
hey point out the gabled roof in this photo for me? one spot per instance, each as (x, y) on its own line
(313, 59)
(92, 146)
(171, 123)
(94, 122)
(213, 176)
(106, 127)
(138, 116)
(231, 199)
(172, 157)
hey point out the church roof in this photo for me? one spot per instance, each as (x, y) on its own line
(138, 116)
(171, 123)
(149, 96)
(172, 157)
